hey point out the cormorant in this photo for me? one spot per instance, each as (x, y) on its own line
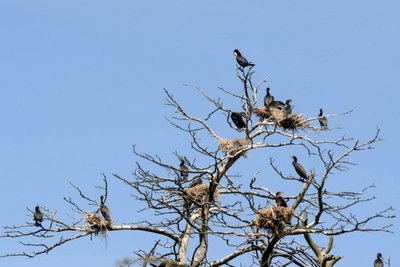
(323, 121)
(241, 60)
(278, 104)
(37, 216)
(288, 107)
(378, 262)
(299, 169)
(280, 202)
(268, 99)
(104, 210)
(237, 119)
(196, 182)
(184, 170)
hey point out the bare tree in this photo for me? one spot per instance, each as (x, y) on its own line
(203, 200)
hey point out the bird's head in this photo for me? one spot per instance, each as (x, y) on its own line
(278, 194)
(289, 101)
(320, 112)
(294, 158)
(182, 160)
(379, 255)
(268, 89)
(37, 208)
(236, 52)
(101, 199)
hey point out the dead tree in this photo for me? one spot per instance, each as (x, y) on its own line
(231, 209)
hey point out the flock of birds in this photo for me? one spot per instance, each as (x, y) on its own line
(237, 119)
(269, 100)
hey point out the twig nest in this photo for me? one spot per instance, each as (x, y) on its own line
(199, 193)
(273, 217)
(280, 118)
(262, 112)
(97, 223)
(233, 146)
(293, 121)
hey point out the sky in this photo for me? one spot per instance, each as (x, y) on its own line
(82, 81)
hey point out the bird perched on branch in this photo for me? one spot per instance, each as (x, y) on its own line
(280, 202)
(241, 60)
(237, 119)
(268, 98)
(184, 170)
(299, 169)
(38, 216)
(378, 262)
(104, 210)
(323, 121)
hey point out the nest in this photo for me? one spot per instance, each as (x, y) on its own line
(233, 146)
(199, 193)
(97, 223)
(274, 217)
(280, 118)
(262, 112)
(293, 121)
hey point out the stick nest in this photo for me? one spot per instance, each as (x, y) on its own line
(97, 223)
(262, 112)
(233, 146)
(280, 118)
(199, 193)
(274, 217)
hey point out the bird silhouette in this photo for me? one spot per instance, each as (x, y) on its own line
(280, 202)
(278, 104)
(299, 169)
(378, 261)
(184, 170)
(268, 98)
(288, 107)
(38, 216)
(241, 60)
(323, 121)
(105, 211)
(237, 119)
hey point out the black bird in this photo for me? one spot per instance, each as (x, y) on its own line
(237, 119)
(268, 99)
(323, 121)
(241, 60)
(280, 202)
(278, 104)
(299, 169)
(37, 216)
(104, 210)
(288, 107)
(378, 262)
(196, 182)
(184, 170)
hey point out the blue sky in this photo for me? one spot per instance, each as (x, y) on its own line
(81, 81)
